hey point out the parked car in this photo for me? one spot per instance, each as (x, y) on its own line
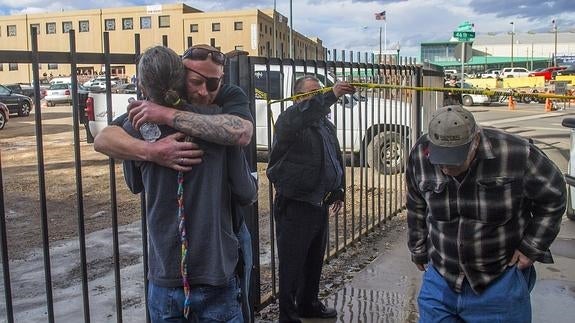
(491, 73)
(514, 72)
(16, 103)
(471, 99)
(547, 72)
(98, 81)
(62, 93)
(128, 88)
(570, 70)
(4, 115)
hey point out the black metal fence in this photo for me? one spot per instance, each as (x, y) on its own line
(376, 128)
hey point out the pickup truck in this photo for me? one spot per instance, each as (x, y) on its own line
(386, 130)
(96, 112)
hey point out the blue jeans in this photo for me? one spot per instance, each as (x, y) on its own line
(209, 303)
(245, 241)
(507, 299)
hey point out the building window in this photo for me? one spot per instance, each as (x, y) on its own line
(266, 29)
(84, 26)
(216, 26)
(1, 67)
(213, 42)
(238, 25)
(239, 47)
(52, 66)
(110, 24)
(194, 28)
(164, 21)
(50, 28)
(127, 23)
(11, 30)
(12, 66)
(37, 26)
(66, 26)
(146, 22)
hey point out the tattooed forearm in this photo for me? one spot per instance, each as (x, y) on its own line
(222, 129)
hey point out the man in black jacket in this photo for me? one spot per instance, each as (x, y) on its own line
(307, 171)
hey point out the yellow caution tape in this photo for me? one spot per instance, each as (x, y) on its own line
(487, 92)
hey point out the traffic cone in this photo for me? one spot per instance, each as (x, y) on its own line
(548, 105)
(511, 103)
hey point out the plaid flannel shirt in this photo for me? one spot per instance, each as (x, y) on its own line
(512, 198)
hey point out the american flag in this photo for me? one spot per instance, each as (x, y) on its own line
(380, 15)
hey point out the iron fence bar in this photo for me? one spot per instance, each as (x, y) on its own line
(4, 252)
(78, 169)
(113, 200)
(42, 190)
(143, 213)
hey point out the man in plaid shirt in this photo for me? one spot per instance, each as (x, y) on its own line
(482, 206)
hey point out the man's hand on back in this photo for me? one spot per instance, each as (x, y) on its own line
(173, 152)
(147, 111)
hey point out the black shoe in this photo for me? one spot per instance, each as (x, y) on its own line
(318, 311)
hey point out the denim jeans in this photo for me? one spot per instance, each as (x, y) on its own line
(507, 299)
(209, 303)
(245, 241)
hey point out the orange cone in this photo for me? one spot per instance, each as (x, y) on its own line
(548, 105)
(511, 103)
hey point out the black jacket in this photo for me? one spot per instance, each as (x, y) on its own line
(297, 155)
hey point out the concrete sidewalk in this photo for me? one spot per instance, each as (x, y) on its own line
(386, 290)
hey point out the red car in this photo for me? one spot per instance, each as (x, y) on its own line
(547, 72)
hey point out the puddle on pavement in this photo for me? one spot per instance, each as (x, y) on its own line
(367, 305)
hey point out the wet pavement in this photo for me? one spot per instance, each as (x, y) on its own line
(386, 290)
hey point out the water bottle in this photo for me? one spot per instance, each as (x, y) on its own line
(149, 131)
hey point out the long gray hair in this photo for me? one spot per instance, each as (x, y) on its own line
(162, 76)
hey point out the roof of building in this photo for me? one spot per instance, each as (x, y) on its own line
(487, 60)
(524, 38)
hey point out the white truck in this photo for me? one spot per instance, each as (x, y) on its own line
(376, 128)
(97, 112)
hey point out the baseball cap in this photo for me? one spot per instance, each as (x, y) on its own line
(451, 131)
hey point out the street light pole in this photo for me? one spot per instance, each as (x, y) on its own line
(512, 34)
(555, 51)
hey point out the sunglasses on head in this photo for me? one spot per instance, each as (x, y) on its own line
(212, 83)
(201, 54)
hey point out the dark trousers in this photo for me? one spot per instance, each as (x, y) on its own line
(301, 230)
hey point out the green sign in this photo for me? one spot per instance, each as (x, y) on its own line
(464, 35)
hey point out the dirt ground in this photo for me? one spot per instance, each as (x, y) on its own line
(23, 199)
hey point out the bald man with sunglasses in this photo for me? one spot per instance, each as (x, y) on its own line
(205, 66)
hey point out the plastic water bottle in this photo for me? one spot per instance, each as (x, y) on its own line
(149, 131)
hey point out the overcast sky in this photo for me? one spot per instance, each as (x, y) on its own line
(351, 24)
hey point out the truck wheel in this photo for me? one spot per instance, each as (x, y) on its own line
(24, 109)
(386, 153)
(467, 100)
(527, 99)
(50, 104)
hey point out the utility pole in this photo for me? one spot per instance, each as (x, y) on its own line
(512, 34)
(291, 29)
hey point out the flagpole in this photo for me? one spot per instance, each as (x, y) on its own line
(379, 44)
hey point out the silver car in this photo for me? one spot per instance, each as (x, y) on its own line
(62, 93)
